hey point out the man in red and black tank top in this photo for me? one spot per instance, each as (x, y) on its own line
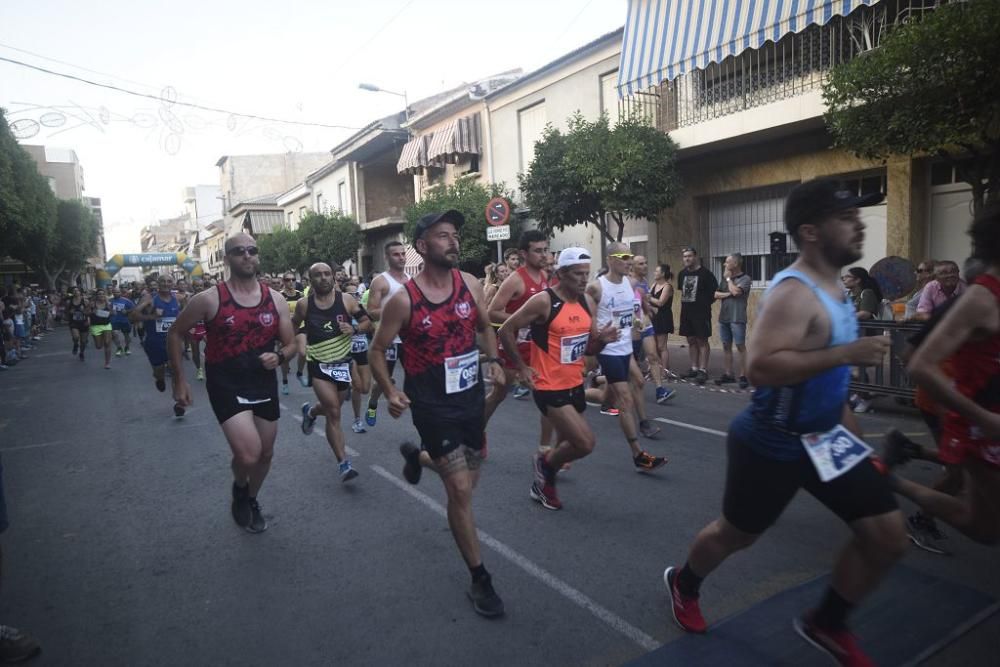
(969, 334)
(242, 318)
(437, 316)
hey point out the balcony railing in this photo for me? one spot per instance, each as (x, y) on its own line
(795, 64)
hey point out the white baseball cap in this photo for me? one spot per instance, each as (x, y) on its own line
(572, 257)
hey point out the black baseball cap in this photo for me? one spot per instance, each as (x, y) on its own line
(426, 222)
(808, 202)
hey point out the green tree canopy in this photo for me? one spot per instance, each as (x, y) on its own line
(930, 88)
(65, 245)
(280, 251)
(332, 238)
(470, 198)
(593, 172)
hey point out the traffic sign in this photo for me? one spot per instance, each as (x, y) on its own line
(498, 212)
(498, 233)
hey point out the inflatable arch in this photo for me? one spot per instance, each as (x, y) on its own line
(190, 265)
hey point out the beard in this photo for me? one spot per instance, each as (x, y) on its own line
(444, 260)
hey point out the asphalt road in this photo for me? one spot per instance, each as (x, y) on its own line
(121, 549)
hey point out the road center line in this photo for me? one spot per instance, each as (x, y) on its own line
(550, 580)
(322, 434)
(693, 427)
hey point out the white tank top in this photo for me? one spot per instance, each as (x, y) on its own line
(394, 286)
(617, 306)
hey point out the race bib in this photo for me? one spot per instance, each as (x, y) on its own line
(390, 353)
(461, 373)
(337, 372)
(523, 335)
(623, 318)
(359, 344)
(78, 316)
(164, 323)
(835, 452)
(102, 313)
(571, 348)
(119, 307)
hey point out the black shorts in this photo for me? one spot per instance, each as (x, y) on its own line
(392, 354)
(316, 373)
(615, 367)
(557, 398)
(758, 488)
(361, 358)
(696, 325)
(228, 400)
(124, 327)
(439, 437)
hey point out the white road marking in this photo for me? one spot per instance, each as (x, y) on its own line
(350, 450)
(616, 622)
(693, 427)
(35, 446)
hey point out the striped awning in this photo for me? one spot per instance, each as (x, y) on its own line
(413, 158)
(666, 38)
(459, 137)
(413, 261)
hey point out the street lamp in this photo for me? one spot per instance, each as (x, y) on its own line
(372, 88)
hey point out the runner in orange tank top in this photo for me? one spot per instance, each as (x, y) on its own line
(562, 332)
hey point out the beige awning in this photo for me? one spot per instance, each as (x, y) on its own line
(413, 157)
(456, 139)
(414, 261)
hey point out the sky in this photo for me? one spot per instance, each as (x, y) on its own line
(298, 60)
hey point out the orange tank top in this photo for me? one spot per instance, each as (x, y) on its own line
(559, 343)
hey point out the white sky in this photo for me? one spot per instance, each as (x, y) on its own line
(297, 59)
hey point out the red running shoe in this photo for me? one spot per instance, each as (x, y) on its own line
(546, 495)
(686, 612)
(840, 645)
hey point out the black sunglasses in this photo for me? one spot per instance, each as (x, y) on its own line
(251, 250)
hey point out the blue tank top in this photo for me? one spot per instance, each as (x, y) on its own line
(159, 327)
(777, 416)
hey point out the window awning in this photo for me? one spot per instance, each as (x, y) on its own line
(413, 261)
(666, 38)
(459, 137)
(413, 157)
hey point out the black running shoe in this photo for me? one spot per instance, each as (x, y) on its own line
(485, 600)
(648, 429)
(701, 377)
(161, 385)
(412, 467)
(242, 514)
(178, 410)
(897, 449)
(257, 522)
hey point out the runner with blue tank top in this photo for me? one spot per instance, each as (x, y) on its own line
(157, 311)
(798, 431)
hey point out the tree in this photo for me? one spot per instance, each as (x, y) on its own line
(470, 198)
(930, 88)
(332, 238)
(595, 174)
(280, 251)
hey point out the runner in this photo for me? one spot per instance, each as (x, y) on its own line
(197, 333)
(327, 314)
(79, 323)
(437, 317)
(242, 318)
(797, 432)
(562, 332)
(121, 328)
(615, 301)
(158, 311)
(968, 334)
(292, 296)
(384, 286)
(361, 375)
(99, 314)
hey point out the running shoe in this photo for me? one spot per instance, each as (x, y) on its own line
(359, 426)
(161, 385)
(242, 513)
(690, 375)
(284, 386)
(648, 428)
(725, 378)
(201, 376)
(839, 644)
(701, 377)
(485, 600)
(541, 470)
(685, 609)
(119, 353)
(645, 462)
(347, 472)
(611, 412)
(371, 416)
(16, 646)
(862, 406)
(897, 449)
(178, 410)
(924, 533)
(107, 367)
(128, 352)
(76, 348)
(664, 394)
(257, 522)
(520, 392)
(545, 495)
(412, 467)
(744, 382)
(302, 380)
(308, 421)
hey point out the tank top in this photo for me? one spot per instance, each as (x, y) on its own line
(325, 342)
(777, 416)
(440, 356)
(292, 300)
(238, 335)
(531, 288)
(617, 307)
(664, 316)
(559, 343)
(167, 312)
(77, 312)
(977, 377)
(100, 315)
(394, 286)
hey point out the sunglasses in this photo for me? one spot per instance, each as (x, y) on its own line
(251, 250)
(622, 255)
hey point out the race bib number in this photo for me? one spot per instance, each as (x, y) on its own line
(337, 372)
(102, 313)
(78, 316)
(571, 348)
(461, 373)
(835, 452)
(523, 335)
(623, 318)
(359, 344)
(164, 323)
(119, 307)
(390, 353)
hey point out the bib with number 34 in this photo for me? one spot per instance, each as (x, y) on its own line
(835, 452)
